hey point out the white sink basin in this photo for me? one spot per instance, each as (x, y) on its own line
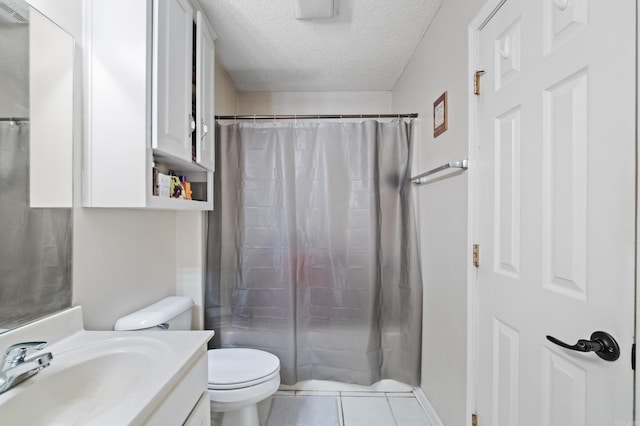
(106, 377)
(86, 382)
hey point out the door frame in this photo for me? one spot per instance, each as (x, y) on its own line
(487, 11)
(485, 14)
(636, 390)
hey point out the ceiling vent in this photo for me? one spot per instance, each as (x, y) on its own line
(313, 9)
(14, 12)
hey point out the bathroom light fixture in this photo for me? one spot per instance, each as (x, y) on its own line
(313, 9)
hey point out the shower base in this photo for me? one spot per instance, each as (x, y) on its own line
(330, 386)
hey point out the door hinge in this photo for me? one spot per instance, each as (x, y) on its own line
(476, 82)
(633, 356)
(474, 420)
(476, 255)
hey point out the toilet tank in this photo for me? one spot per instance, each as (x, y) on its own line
(170, 313)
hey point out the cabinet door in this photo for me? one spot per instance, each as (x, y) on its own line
(205, 77)
(201, 413)
(172, 121)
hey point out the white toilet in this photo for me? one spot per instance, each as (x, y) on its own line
(239, 378)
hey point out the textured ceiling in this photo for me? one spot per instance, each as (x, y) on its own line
(365, 46)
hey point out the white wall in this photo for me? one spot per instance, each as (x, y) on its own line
(314, 102)
(441, 63)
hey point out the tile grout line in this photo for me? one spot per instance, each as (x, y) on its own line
(393, 416)
(340, 406)
(341, 413)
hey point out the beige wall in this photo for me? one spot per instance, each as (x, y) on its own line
(122, 260)
(225, 90)
(441, 63)
(314, 102)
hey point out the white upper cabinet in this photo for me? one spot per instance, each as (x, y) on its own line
(172, 73)
(145, 114)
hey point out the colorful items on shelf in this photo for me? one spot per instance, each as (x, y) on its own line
(176, 187)
(186, 188)
(171, 186)
(162, 184)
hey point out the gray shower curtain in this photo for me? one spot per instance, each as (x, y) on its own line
(35, 249)
(312, 249)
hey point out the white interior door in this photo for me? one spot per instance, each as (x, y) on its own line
(556, 196)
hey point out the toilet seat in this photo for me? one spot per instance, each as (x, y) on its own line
(236, 368)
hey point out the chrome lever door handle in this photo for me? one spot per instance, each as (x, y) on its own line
(602, 343)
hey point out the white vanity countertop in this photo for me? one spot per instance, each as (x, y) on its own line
(107, 377)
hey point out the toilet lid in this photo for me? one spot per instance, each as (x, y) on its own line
(234, 368)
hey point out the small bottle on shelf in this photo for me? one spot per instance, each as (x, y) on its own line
(186, 186)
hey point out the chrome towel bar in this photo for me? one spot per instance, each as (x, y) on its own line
(464, 165)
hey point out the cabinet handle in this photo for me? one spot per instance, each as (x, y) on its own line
(192, 124)
(205, 130)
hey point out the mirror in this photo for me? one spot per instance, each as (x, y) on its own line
(35, 114)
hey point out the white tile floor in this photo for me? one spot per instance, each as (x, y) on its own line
(311, 408)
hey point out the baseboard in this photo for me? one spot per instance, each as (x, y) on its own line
(427, 407)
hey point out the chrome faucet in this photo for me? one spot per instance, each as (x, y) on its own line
(16, 369)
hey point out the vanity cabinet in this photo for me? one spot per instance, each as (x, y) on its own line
(201, 413)
(187, 403)
(149, 68)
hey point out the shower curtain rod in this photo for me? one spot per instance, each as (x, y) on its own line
(311, 116)
(14, 119)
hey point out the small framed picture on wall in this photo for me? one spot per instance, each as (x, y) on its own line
(440, 115)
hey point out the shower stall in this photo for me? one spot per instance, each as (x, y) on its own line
(312, 250)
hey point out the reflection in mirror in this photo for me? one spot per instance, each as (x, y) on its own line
(35, 244)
